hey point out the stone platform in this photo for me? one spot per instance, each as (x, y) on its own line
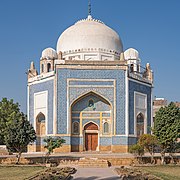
(85, 158)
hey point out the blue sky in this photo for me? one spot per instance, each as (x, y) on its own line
(29, 26)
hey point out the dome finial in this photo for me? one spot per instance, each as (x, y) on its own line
(89, 7)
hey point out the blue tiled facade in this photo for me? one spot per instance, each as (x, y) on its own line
(142, 88)
(105, 141)
(98, 83)
(106, 88)
(119, 140)
(75, 92)
(76, 141)
(132, 140)
(35, 88)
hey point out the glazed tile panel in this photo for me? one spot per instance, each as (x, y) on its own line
(75, 92)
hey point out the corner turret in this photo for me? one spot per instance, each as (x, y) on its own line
(32, 72)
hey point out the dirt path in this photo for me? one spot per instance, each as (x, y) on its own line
(95, 174)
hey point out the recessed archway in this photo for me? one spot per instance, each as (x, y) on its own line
(89, 111)
(91, 126)
(40, 124)
(40, 130)
(140, 124)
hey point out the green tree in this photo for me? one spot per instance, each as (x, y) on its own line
(149, 142)
(138, 151)
(167, 128)
(52, 143)
(18, 135)
(9, 111)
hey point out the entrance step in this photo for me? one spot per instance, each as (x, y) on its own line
(92, 162)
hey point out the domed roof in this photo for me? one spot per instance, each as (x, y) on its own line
(49, 53)
(89, 34)
(131, 53)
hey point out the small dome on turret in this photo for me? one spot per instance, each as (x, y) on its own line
(49, 53)
(131, 53)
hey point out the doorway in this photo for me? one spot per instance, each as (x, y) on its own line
(91, 141)
(91, 137)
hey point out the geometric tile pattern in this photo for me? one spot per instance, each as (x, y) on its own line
(35, 88)
(75, 92)
(134, 86)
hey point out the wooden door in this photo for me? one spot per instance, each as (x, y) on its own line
(94, 141)
(88, 141)
(91, 141)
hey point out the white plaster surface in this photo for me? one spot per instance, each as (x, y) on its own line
(89, 34)
(49, 53)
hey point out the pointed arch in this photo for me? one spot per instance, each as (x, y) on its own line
(48, 67)
(105, 128)
(40, 124)
(40, 117)
(89, 109)
(75, 127)
(91, 126)
(140, 124)
(131, 67)
(91, 93)
(91, 102)
(42, 68)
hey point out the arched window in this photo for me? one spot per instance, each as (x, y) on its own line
(40, 117)
(91, 103)
(131, 67)
(140, 124)
(75, 127)
(138, 68)
(40, 124)
(42, 68)
(48, 67)
(106, 128)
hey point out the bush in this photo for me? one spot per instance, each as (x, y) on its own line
(138, 151)
(52, 143)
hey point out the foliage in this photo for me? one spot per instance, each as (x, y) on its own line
(149, 142)
(9, 111)
(19, 134)
(53, 143)
(177, 147)
(136, 149)
(167, 127)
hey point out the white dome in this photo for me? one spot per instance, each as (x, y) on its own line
(49, 53)
(131, 53)
(89, 35)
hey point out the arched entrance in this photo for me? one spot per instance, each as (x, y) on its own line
(91, 137)
(91, 115)
(40, 131)
(40, 124)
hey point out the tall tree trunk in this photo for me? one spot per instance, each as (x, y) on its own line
(47, 157)
(163, 157)
(152, 158)
(18, 157)
(172, 158)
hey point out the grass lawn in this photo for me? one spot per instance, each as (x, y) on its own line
(165, 172)
(18, 173)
